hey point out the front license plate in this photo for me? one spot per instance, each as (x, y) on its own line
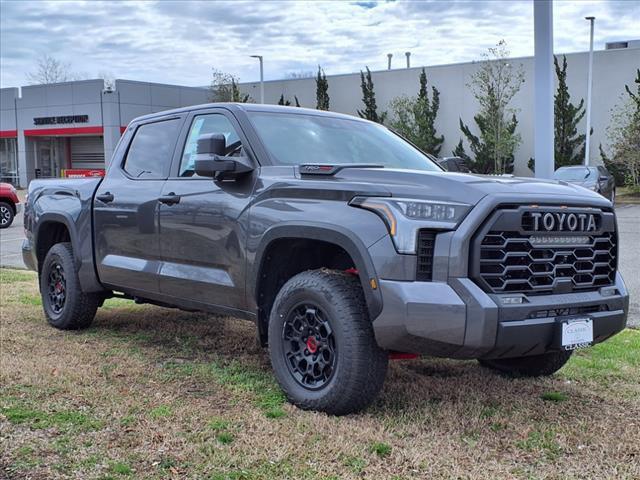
(577, 333)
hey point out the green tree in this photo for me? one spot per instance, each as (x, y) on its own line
(287, 102)
(459, 152)
(282, 101)
(224, 88)
(322, 90)
(623, 135)
(237, 95)
(414, 117)
(370, 111)
(494, 85)
(619, 171)
(568, 145)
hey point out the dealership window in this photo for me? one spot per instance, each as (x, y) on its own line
(204, 124)
(151, 149)
(9, 161)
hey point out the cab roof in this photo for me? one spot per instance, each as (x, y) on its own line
(247, 107)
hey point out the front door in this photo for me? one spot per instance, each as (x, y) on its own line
(202, 234)
(126, 209)
(44, 158)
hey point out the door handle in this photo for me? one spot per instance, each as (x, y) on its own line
(106, 197)
(170, 199)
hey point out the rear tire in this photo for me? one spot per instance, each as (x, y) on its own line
(322, 346)
(6, 215)
(533, 366)
(65, 305)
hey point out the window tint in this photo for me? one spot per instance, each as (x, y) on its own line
(203, 124)
(151, 149)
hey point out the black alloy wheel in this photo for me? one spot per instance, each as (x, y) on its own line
(309, 346)
(57, 288)
(64, 303)
(322, 344)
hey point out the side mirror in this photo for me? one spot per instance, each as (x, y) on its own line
(211, 144)
(211, 162)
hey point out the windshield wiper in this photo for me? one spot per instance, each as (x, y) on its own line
(331, 168)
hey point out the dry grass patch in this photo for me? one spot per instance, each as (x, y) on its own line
(154, 393)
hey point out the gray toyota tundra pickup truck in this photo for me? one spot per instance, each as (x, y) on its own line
(344, 243)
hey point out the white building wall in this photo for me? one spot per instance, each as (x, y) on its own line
(612, 69)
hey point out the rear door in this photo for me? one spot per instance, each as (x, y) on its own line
(126, 208)
(203, 233)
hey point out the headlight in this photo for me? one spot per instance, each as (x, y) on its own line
(405, 216)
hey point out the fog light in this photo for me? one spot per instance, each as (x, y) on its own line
(608, 291)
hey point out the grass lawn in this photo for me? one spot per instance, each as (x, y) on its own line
(628, 194)
(155, 393)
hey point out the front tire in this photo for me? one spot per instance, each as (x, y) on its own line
(322, 346)
(6, 215)
(65, 305)
(533, 366)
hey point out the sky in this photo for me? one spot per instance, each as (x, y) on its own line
(180, 41)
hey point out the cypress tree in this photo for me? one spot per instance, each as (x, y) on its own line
(322, 90)
(427, 111)
(370, 111)
(236, 95)
(569, 146)
(282, 101)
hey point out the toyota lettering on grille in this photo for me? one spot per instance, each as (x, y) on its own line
(563, 222)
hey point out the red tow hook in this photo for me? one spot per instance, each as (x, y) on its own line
(352, 271)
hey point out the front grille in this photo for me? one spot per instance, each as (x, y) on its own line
(426, 244)
(513, 260)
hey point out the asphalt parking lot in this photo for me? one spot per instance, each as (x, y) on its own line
(628, 223)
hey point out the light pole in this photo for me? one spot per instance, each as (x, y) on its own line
(543, 88)
(589, 82)
(259, 57)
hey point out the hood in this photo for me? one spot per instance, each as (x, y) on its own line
(466, 188)
(582, 183)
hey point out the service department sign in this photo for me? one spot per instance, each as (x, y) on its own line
(61, 120)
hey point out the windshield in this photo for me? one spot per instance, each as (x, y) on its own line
(293, 139)
(577, 174)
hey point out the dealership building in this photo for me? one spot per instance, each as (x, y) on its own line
(49, 130)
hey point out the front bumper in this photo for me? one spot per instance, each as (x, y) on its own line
(459, 320)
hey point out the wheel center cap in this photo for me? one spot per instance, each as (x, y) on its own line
(312, 344)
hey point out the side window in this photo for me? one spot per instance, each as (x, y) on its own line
(203, 124)
(151, 149)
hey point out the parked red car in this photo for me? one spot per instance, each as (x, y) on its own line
(9, 204)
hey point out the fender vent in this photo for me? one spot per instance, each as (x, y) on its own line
(426, 244)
